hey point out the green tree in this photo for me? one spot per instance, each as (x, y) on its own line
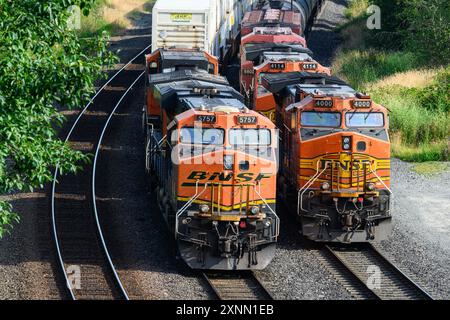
(43, 65)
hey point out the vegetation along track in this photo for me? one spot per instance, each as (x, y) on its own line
(236, 285)
(367, 274)
(83, 255)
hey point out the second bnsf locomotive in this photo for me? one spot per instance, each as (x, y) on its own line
(334, 157)
(213, 161)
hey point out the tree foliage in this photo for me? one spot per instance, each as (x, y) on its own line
(43, 65)
(420, 26)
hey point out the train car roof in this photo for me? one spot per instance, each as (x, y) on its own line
(276, 82)
(271, 16)
(187, 74)
(180, 6)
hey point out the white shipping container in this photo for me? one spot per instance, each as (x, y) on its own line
(208, 25)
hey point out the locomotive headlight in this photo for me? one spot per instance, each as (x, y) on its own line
(370, 186)
(254, 210)
(204, 208)
(228, 162)
(267, 223)
(325, 186)
(346, 143)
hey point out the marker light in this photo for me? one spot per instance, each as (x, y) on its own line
(254, 210)
(325, 186)
(204, 208)
(228, 162)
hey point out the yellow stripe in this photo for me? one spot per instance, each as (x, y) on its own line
(227, 208)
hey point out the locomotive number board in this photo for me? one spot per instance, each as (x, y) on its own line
(323, 103)
(247, 119)
(206, 119)
(309, 66)
(277, 66)
(362, 103)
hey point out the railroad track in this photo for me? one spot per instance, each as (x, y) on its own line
(83, 256)
(241, 285)
(367, 274)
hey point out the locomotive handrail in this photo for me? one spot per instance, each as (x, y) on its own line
(187, 204)
(376, 175)
(277, 229)
(307, 185)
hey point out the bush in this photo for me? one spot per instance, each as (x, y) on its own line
(437, 96)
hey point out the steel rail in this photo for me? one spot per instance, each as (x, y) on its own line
(94, 196)
(389, 270)
(55, 176)
(249, 285)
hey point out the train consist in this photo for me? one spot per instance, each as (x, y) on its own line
(334, 158)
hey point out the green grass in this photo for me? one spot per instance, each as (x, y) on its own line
(95, 24)
(419, 116)
(360, 68)
(431, 167)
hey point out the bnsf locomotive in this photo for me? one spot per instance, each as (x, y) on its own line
(334, 157)
(213, 161)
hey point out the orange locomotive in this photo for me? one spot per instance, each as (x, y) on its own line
(258, 97)
(334, 158)
(214, 162)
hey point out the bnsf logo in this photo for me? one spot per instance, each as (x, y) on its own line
(220, 176)
(346, 164)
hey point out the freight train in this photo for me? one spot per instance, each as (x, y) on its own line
(213, 161)
(334, 156)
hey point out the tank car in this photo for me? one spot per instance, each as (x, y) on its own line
(334, 158)
(214, 163)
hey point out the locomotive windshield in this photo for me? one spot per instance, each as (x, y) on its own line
(250, 137)
(206, 136)
(321, 119)
(364, 119)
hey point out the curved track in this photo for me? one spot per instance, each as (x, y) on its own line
(367, 274)
(236, 286)
(83, 255)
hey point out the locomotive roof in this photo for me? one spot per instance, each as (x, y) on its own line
(182, 75)
(211, 102)
(193, 93)
(276, 82)
(178, 55)
(255, 50)
(329, 90)
(291, 56)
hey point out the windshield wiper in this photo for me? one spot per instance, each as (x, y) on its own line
(368, 114)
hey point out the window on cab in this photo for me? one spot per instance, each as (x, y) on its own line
(250, 137)
(364, 119)
(320, 119)
(203, 136)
